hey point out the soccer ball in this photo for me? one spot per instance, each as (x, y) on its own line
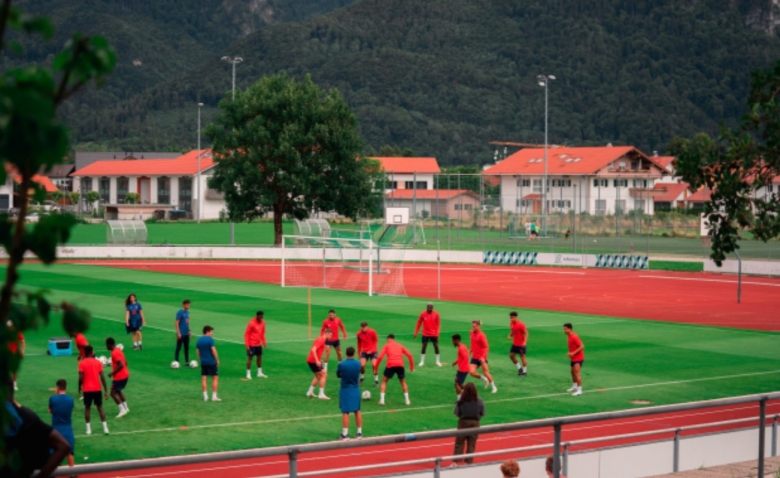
(174, 364)
(102, 359)
(120, 346)
(366, 395)
(193, 364)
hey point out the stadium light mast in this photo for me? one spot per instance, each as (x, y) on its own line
(200, 199)
(233, 61)
(543, 81)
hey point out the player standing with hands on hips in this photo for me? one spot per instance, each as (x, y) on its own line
(333, 324)
(254, 340)
(518, 334)
(431, 324)
(576, 357)
(134, 320)
(183, 332)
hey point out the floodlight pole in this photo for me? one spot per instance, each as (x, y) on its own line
(200, 199)
(543, 81)
(233, 61)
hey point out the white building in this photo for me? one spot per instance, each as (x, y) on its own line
(596, 180)
(408, 173)
(169, 184)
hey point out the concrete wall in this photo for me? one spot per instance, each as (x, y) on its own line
(764, 268)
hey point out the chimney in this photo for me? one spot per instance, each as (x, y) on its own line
(655, 154)
(609, 145)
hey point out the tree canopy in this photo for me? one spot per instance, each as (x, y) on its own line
(288, 147)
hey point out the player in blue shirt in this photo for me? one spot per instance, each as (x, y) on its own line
(209, 361)
(134, 320)
(349, 394)
(183, 332)
(61, 409)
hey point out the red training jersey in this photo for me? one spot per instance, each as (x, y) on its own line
(13, 346)
(319, 345)
(430, 323)
(91, 368)
(81, 342)
(574, 344)
(333, 324)
(367, 341)
(463, 358)
(117, 357)
(255, 334)
(519, 333)
(395, 355)
(479, 345)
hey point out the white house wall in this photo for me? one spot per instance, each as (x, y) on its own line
(401, 179)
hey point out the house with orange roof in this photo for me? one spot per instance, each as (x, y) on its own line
(7, 194)
(671, 195)
(408, 173)
(161, 184)
(440, 203)
(596, 180)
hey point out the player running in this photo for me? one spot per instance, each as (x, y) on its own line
(333, 324)
(209, 361)
(254, 341)
(15, 347)
(367, 342)
(518, 334)
(183, 332)
(479, 355)
(90, 378)
(395, 365)
(120, 373)
(134, 320)
(315, 364)
(463, 364)
(576, 357)
(431, 324)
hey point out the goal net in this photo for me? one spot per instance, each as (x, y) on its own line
(356, 263)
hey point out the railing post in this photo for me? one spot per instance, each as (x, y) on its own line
(437, 468)
(676, 459)
(761, 435)
(557, 450)
(565, 459)
(774, 435)
(293, 454)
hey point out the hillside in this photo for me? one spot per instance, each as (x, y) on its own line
(445, 78)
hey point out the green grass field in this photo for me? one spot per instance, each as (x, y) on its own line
(626, 360)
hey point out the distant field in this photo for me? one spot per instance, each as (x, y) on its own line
(186, 233)
(625, 360)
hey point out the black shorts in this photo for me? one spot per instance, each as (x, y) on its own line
(579, 362)
(208, 370)
(134, 326)
(314, 367)
(254, 351)
(427, 339)
(371, 356)
(119, 385)
(333, 343)
(390, 371)
(460, 377)
(90, 397)
(477, 362)
(517, 349)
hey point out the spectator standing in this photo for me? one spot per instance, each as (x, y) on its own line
(61, 409)
(349, 394)
(469, 409)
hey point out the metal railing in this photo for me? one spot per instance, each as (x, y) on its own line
(293, 452)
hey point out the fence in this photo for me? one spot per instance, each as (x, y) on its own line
(558, 447)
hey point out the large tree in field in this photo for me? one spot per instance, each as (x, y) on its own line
(738, 166)
(288, 147)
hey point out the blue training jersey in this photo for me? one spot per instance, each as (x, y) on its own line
(349, 372)
(183, 318)
(135, 312)
(61, 407)
(204, 345)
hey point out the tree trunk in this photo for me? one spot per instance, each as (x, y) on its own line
(278, 224)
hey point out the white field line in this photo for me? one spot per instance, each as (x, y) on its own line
(446, 405)
(711, 280)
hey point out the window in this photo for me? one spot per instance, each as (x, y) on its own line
(622, 166)
(640, 183)
(634, 165)
(185, 193)
(526, 183)
(467, 207)
(600, 183)
(122, 187)
(621, 183)
(639, 204)
(392, 185)
(86, 186)
(420, 185)
(561, 183)
(163, 190)
(5, 202)
(105, 190)
(620, 206)
(537, 185)
(601, 206)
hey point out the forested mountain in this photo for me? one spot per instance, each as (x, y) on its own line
(445, 78)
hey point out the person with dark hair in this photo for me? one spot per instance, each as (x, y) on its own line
(576, 358)
(61, 408)
(462, 362)
(479, 355)
(134, 320)
(430, 322)
(510, 469)
(90, 379)
(120, 374)
(349, 394)
(334, 324)
(209, 361)
(30, 444)
(395, 353)
(183, 332)
(316, 366)
(367, 342)
(469, 409)
(518, 334)
(254, 341)
(548, 467)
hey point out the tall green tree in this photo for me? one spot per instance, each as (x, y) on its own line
(31, 139)
(288, 147)
(736, 166)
